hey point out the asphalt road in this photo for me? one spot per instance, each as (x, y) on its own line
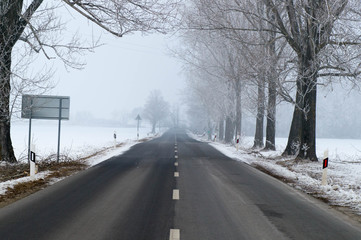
(172, 187)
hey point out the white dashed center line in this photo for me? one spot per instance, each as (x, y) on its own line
(175, 194)
(174, 234)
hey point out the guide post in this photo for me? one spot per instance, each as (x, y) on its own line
(237, 142)
(325, 166)
(115, 139)
(138, 118)
(32, 161)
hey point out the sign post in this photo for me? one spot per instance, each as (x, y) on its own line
(29, 140)
(325, 166)
(138, 118)
(45, 107)
(59, 127)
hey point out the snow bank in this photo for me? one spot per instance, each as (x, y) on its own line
(344, 171)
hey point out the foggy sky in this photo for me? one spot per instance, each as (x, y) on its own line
(120, 75)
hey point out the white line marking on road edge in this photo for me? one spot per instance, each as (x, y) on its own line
(176, 156)
(175, 194)
(176, 164)
(176, 174)
(174, 234)
(175, 151)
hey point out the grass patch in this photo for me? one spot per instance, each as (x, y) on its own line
(20, 191)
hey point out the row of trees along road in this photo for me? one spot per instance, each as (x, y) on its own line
(244, 55)
(34, 26)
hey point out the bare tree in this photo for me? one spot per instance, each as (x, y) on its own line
(156, 108)
(312, 29)
(34, 22)
(214, 61)
(256, 43)
(207, 95)
(225, 46)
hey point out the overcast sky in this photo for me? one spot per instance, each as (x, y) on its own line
(120, 75)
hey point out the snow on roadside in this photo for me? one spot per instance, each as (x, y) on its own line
(344, 171)
(12, 183)
(111, 153)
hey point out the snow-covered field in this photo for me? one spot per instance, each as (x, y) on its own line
(344, 171)
(76, 141)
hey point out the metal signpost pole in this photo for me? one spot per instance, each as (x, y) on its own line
(29, 151)
(60, 110)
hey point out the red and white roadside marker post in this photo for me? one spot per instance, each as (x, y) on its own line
(237, 142)
(325, 166)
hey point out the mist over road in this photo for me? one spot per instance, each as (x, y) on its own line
(172, 187)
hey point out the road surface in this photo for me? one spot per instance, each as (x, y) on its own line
(172, 187)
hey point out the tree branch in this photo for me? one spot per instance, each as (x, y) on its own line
(90, 17)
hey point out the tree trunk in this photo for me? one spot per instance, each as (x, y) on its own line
(6, 148)
(271, 115)
(302, 137)
(308, 140)
(309, 65)
(229, 130)
(238, 109)
(221, 130)
(11, 27)
(294, 137)
(258, 138)
(272, 90)
(210, 130)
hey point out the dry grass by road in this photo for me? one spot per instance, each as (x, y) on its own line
(23, 189)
